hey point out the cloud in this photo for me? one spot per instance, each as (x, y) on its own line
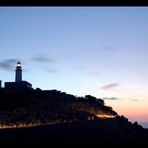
(51, 70)
(48, 69)
(108, 48)
(43, 59)
(135, 100)
(116, 98)
(111, 98)
(111, 86)
(95, 74)
(8, 64)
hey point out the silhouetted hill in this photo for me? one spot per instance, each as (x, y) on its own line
(48, 106)
(51, 116)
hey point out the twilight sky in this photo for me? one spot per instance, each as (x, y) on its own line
(101, 51)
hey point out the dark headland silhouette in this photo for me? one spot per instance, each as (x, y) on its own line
(35, 116)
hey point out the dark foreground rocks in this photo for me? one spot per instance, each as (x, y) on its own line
(107, 131)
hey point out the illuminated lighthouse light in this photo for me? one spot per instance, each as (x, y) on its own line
(18, 65)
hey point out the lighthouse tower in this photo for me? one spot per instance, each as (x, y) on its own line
(18, 72)
(19, 84)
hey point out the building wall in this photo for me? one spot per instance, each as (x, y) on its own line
(17, 85)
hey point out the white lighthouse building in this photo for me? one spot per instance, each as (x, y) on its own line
(18, 72)
(19, 83)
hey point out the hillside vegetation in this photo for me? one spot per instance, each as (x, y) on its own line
(36, 106)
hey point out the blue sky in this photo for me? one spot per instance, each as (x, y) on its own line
(101, 51)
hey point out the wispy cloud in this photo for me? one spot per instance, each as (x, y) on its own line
(111, 86)
(44, 62)
(8, 64)
(135, 100)
(95, 74)
(48, 69)
(111, 98)
(42, 58)
(51, 70)
(108, 48)
(116, 98)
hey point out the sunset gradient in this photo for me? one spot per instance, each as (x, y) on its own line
(100, 51)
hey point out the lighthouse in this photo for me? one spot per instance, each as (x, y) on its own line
(18, 72)
(19, 84)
